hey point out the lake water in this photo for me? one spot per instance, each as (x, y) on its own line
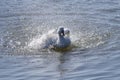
(95, 31)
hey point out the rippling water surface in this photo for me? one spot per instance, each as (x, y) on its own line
(95, 31)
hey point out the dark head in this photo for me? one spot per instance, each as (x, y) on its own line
(61, 31)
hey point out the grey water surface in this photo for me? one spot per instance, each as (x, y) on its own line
(95, 32)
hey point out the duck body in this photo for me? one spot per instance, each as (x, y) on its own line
(62, 42)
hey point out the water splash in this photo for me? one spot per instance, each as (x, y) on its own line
(79, 39)
(90, 40)
(39, 41)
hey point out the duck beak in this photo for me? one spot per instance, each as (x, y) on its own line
(63, 34)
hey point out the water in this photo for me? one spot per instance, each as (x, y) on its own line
(95, 31)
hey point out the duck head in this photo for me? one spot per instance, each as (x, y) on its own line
(61, 31)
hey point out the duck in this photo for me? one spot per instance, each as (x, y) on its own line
(63, 38)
